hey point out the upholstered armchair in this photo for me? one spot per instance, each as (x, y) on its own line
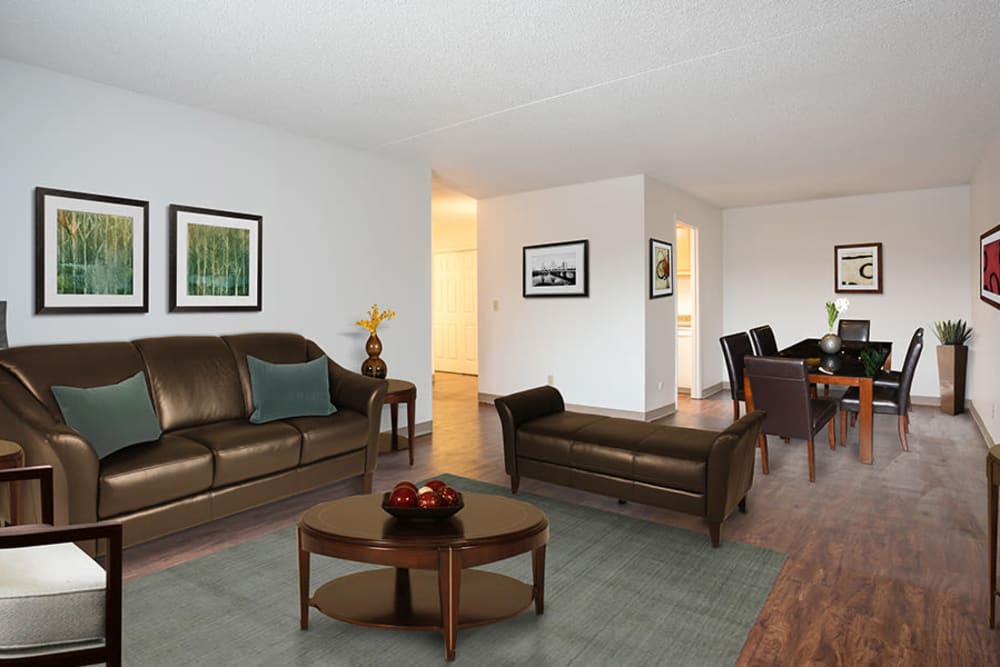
(57, 605)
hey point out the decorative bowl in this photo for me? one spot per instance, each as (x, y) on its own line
(420, 513)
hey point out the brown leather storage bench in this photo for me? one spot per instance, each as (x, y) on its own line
(705, 473)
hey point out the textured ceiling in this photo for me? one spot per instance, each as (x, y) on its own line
(737, 101)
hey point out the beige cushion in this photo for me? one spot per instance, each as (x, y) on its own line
(49, 595)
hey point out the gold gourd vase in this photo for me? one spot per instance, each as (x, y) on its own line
(373, 366)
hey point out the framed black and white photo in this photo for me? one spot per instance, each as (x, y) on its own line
(215, 260)
(858, 268)
(91, 253)
(555, 269)
(661, 266)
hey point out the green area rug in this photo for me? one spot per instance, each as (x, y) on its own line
(618, 591)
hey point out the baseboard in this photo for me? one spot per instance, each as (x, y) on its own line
(422, 428)
(707, 392)
(657, 413)
(980, 424)
(683, 391)
(928, 401)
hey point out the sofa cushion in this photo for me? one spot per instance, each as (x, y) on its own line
(111, 417)
(153, 473)
(615, 432)
(323, 437)
(280, 391)
(277, 348)
(244, 451)
(49, 595)
(193, 380)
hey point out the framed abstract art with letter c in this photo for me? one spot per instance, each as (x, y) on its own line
(857, 268)
(989, 252)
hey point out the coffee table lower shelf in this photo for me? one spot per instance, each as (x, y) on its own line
(401, 599)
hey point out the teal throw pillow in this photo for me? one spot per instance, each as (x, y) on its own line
(110, 417)
(281, 391)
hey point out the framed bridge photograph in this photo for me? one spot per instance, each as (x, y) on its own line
(215, 260)
(556, 269)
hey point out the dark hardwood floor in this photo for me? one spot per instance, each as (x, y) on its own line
(887, 564)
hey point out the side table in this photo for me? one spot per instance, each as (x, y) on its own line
(992, 492)
(12, 456)
(401, 391)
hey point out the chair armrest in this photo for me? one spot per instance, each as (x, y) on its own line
(731, 465)
(523, 406)
(44, 476)
(38, 534)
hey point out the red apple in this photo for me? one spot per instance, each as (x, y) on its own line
(409, 485)
(436, 484)
(428, 499)
(403, 497)
(449, 496)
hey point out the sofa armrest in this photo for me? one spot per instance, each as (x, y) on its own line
(523, 406)
(731, 465)
(46, 441)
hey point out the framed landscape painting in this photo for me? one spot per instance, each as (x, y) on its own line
(661, 264)
(858, 268)
(989, 251)
(215, 260)
(91, 253)
(555, 269)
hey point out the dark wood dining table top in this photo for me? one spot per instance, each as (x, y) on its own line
(846, 363)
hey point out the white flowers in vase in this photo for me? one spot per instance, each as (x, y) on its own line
(834, 309)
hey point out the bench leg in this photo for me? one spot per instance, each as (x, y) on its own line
(366, 482)
(743, 505)
(714, 531)
(515, 481)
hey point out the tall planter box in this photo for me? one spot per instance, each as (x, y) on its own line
(953, 362)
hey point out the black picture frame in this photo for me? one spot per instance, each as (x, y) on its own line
(556, 269)
(989, 271)
(845, 259)
(182, 300)
(660, 253)
(101, 217)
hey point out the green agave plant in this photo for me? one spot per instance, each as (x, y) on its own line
(950, 332)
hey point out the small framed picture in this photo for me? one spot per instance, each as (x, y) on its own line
(91, 253)
(661, 267)
(858, 268)
(555, 269)
(215, 260)
(989, 251)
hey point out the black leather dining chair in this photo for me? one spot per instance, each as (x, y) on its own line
(764, 344)
(856, 330)
(891, 378)
(735, 347)
(780, 388)
(887, 399)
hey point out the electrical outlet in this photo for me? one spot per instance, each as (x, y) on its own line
(496, 305)
(659, 385)
(550, 381)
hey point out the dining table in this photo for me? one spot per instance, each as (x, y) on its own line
(844, 368)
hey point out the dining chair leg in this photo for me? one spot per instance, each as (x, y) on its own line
(736, 411)
(762, 442)
(907, 417)
(833, 432)
(902, 433)
(812, 461)
(826, 390)
(854, 419)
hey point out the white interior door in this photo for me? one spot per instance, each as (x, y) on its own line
(454, 312)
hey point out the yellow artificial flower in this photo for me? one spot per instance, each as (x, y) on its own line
(375, 318)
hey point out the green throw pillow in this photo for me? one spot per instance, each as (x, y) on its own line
(111, 417)
(289, 390)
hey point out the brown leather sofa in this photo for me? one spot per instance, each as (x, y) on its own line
(210, 461)
(699, 472)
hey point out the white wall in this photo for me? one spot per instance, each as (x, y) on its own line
(342, 228)
(984, 357)
(778, 267)
(664, 205)
(592, 346)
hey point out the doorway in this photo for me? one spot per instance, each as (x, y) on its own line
(688, 353)
(454, 277)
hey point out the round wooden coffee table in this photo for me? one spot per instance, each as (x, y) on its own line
(427, 585)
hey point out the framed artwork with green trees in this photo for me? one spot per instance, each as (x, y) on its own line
(215, 260)
(91, 253)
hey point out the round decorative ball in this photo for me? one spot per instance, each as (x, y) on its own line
(830, 343)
